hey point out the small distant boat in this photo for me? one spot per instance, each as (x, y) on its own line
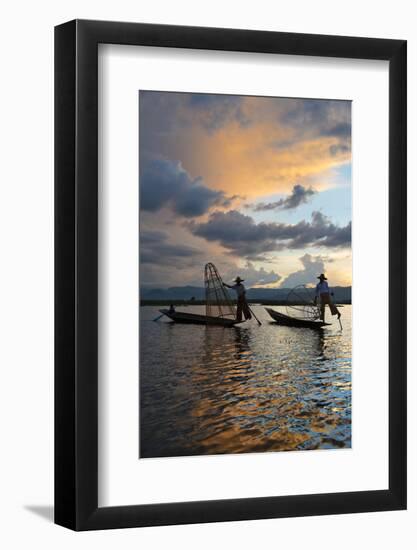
(287, 321)
(195, 319)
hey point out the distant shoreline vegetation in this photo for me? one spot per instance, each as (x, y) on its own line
(178, 303)
(188, 295)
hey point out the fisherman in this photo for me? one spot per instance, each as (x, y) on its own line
(171, 308)
(323, 296)
(242, 304)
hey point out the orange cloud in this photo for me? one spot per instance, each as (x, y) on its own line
(249, 161)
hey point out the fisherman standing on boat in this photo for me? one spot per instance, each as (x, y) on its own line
(242, 304)
(323, 296)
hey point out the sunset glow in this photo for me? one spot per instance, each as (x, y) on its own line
(260, 186)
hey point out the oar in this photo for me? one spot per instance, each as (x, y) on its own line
(159, 316)
(251, 310)
(340, 323)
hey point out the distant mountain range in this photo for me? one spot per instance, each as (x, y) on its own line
(342, 294)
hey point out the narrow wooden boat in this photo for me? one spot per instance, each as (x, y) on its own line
(195, 319)
(287, 321)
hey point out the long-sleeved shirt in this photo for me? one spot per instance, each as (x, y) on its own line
(321, 288)
(240, 289)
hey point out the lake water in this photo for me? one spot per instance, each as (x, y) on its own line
(214, 390)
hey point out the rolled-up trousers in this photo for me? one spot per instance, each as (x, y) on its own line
(326, 299)
(242, 307)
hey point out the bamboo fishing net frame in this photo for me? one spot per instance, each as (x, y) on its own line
(300, 304)
(218, 302)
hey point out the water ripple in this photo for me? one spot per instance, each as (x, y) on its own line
(214, 390)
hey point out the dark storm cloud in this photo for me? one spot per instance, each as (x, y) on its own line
(319, 118)
(215, 111)
(207, 101)
(155, 249)
(162, 114)
(159, 118)
(299, 195)
(340, 129)
(324, 117)
(152, 237)
(166, 183)
(340, 148)
(242, 236)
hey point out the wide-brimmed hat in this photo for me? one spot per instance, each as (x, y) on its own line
(321, 276)
(238, 280)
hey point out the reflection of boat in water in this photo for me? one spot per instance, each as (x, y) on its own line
(195, 319)
(287, 321)
(220, 310)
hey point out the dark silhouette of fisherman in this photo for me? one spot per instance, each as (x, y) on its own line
(242, 304)
(323, 296)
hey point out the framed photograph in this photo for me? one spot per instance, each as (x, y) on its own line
(230, 275)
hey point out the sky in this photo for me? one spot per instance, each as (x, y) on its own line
(259, 186)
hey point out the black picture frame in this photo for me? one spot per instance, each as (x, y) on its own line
(76, 271)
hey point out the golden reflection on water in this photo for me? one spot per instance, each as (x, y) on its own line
(215, 390)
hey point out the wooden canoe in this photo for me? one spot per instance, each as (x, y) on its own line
(195, 319)
(287, 321)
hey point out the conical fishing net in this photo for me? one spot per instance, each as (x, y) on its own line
(300, 304)
(218, 302)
